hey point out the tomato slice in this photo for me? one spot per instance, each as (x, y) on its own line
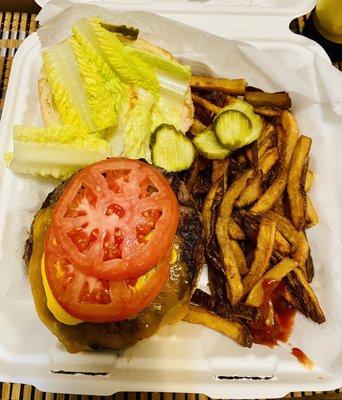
(116, 219)
(98, 300)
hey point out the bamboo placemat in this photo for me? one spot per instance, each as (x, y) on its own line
(14, 27)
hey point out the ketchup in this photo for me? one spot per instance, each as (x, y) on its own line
(277, 316)
(302, 357)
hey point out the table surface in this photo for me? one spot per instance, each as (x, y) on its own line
(17, 20)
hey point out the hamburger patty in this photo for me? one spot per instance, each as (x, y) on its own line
(169, 307)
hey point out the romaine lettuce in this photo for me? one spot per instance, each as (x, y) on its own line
(54, 151)
(131, 137)
(67, 87)
(102, 102)
(130, 68)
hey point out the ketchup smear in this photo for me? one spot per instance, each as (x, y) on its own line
(302, 357)
(276, 320)
(277, 316)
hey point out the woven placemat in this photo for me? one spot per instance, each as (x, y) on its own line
(14, 27)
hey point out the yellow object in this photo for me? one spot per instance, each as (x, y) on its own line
(328, 19)
(57, 310)
(59, 313)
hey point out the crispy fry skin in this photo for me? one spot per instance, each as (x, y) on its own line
(231, 269)
(230, 86)
(308, 180)
(266, 130)
(269, 142)
(262, 255)
(277, 273)
(220, 169)
(239, 257)
(208, 302)
(197, 127)
(217, 284)
(234, 230)
(254, 189)
(233, 329)
(268, 111)
(307, 299)
(288, 141)
(281, 245)
(279, 207)
(252, 192)
(295, 187)
(310, 270)
(205, 104)
(311, 215)
(299, 244)
(263, 99)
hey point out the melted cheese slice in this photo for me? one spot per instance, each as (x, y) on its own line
(58, 312)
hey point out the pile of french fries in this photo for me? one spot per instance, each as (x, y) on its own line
(255, 210)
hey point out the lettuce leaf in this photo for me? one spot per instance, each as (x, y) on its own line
(130, 68)
(183, 72)
(138, 130)
(170, 109)
(85, 36)
(54, 151)
(102, 102)
(67, 87)
(131, 137)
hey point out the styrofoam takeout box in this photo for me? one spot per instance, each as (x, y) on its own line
(183, 357)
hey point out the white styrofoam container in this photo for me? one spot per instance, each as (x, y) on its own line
(182, 357)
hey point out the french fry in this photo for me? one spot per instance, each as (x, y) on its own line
(197, 127)
(296, 238)
(254, 189)
(230, 86)
(279, 206)
(218, 97)
(295, 187)
(269, 142)
(311, 215)
(310, 270)
(226, 207)
(308, 180)
(288, 142)
(233, 329)
(281, 245)
(246, 249)
(307, 299)
(217, 284)
(266, 130)
(219, 172)
(225, 310)
(252, 192)
(257, 295)
(263, 99)
(271, 112)
(234, 230)
(205, 104)
(239, 258)
(262, 255)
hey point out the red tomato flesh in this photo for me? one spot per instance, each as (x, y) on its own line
(105, 213)
(98, 300)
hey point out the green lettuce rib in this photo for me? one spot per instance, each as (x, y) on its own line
(67, 87)
(130, 68)
(54, 151)
(182, 72)
(102, 102)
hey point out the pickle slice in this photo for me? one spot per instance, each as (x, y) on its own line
(171, 149)
(207, 145)
(231, 128)
(237, 125)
